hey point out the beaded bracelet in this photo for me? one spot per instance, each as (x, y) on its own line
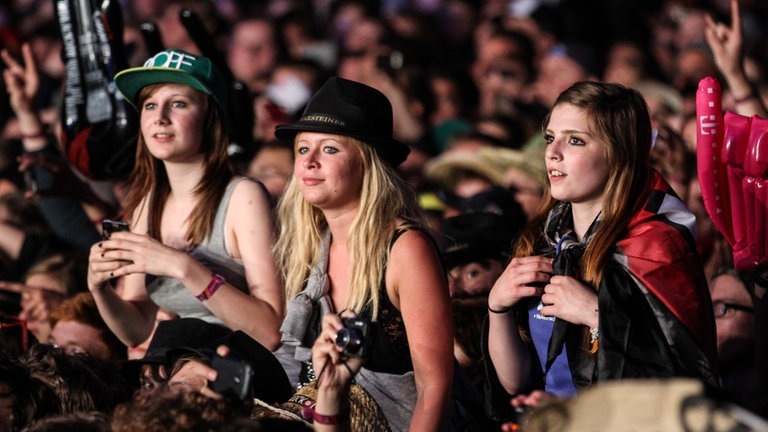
(594, 334)
(216, 282)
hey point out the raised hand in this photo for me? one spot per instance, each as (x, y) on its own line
(21, 80)
(726, 42)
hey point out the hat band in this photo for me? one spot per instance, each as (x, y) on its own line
(323, 119)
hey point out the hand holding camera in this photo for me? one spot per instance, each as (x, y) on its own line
(354, 337)
(340, 350)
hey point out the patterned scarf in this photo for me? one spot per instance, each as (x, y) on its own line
(655, 312)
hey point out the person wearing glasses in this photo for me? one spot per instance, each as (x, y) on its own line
(734, 296)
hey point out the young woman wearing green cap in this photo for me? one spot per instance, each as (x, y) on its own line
(200, 239)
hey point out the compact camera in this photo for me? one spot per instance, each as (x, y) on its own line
(354, 338)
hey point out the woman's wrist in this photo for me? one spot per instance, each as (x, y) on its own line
(593, 318)
(215, 283)
(34, 136)
(332, 392)
(499, 310)
(495, 308)
(333, 409)
(98, 288)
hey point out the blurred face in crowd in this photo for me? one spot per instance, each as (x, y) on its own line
(624, 64)
(447, 100)
(489, 49)
(734, 317)
(43, 294)
(272, 166)
(474, 278)
(505, 80)
(527, 191)
(152, 378)
(252, 52)
(78, 338)
(557, 72)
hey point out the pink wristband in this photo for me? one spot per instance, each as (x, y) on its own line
(324, 419)
(216, 282)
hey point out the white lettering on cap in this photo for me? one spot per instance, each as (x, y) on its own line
(171, 59)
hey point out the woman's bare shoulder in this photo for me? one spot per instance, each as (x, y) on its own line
(413, 245)
(249, 190)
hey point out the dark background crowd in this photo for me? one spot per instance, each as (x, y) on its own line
(470, 82)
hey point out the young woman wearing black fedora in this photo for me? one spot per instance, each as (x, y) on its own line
(353, 237)
(200, 239)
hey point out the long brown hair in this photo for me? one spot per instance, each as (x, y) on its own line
(618, 116)
(149, 180)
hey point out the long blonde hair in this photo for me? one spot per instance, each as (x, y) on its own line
(619, 116)
(385, 199)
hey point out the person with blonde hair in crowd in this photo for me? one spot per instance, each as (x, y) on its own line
(352, 237)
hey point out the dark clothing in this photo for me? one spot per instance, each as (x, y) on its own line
(65, 214)
(655, 311)
(389, 351)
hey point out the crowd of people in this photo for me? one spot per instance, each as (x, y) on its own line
(375, 215)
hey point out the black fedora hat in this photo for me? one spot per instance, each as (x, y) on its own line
(171, 335)
(349, 108)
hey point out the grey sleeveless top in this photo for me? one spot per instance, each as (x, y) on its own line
(171, 294)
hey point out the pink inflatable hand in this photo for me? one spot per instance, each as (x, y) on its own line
(753, 253)
(735, 141)
(732, 160)
(711, 167)
(756, 152)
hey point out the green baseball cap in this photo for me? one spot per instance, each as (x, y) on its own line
(174, 66)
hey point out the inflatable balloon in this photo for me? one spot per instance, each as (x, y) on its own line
(712, 175)
(732, 160)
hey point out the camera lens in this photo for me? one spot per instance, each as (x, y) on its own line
(349, 339)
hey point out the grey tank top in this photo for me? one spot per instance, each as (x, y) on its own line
(172, 295)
